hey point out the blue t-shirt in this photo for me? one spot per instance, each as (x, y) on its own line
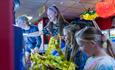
(32, 42)
(18, 46)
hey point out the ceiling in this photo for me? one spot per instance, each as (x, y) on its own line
(69, 8)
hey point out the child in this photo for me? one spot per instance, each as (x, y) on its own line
(72, 52)
(98, 48)
(32, 44)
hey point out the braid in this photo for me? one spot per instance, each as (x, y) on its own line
(107, 45)
(109, 49)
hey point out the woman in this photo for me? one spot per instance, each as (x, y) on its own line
(98, 48)
(72, 52)
(55, 25)
(56, 21)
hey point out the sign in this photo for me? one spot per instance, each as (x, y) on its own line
(112, 33)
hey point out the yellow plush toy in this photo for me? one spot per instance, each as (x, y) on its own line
(89, 15)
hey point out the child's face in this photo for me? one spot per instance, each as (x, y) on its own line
(87, 47)
(21, 24)
(51, 15)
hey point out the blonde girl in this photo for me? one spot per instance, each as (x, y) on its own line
(92, 41)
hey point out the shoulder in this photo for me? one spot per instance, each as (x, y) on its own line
(103, 66)
(105, 63)
(34, 27)
(107, 59)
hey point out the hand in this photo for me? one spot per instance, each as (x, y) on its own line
(36, 50)
(50, 67)
(27, 56)
(41, 33)
(32, 51)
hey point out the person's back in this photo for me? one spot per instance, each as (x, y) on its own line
(98, 47)
(18, 46)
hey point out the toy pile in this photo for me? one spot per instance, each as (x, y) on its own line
(49, 61)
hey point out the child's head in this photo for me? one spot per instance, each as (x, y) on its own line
(69, 37)
(69, 33)
(22, 21)
(52, 13)
(90, 39)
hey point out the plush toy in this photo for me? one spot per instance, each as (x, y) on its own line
(106, 9)
(50, 62)
(110, 1)
(89, 15)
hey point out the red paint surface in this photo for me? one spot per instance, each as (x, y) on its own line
(6, 35)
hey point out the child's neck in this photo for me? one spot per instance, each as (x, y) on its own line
(27, 28)
(100, 53)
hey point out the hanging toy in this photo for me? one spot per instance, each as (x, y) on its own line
(105, 9)
(110, 1)
(89, 15)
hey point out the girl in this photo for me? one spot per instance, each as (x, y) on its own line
(55, 25)
(72, 52)
(56, 21)
(98, 48)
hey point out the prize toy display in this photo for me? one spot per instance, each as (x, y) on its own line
(50, 62)
(89, 15)
(106, 8)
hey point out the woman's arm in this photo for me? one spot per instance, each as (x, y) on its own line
(33, 34)
(38, 33)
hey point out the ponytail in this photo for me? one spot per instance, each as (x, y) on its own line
(110, 49)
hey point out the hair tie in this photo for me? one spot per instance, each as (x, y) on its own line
(103, 38)
(53, 8)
